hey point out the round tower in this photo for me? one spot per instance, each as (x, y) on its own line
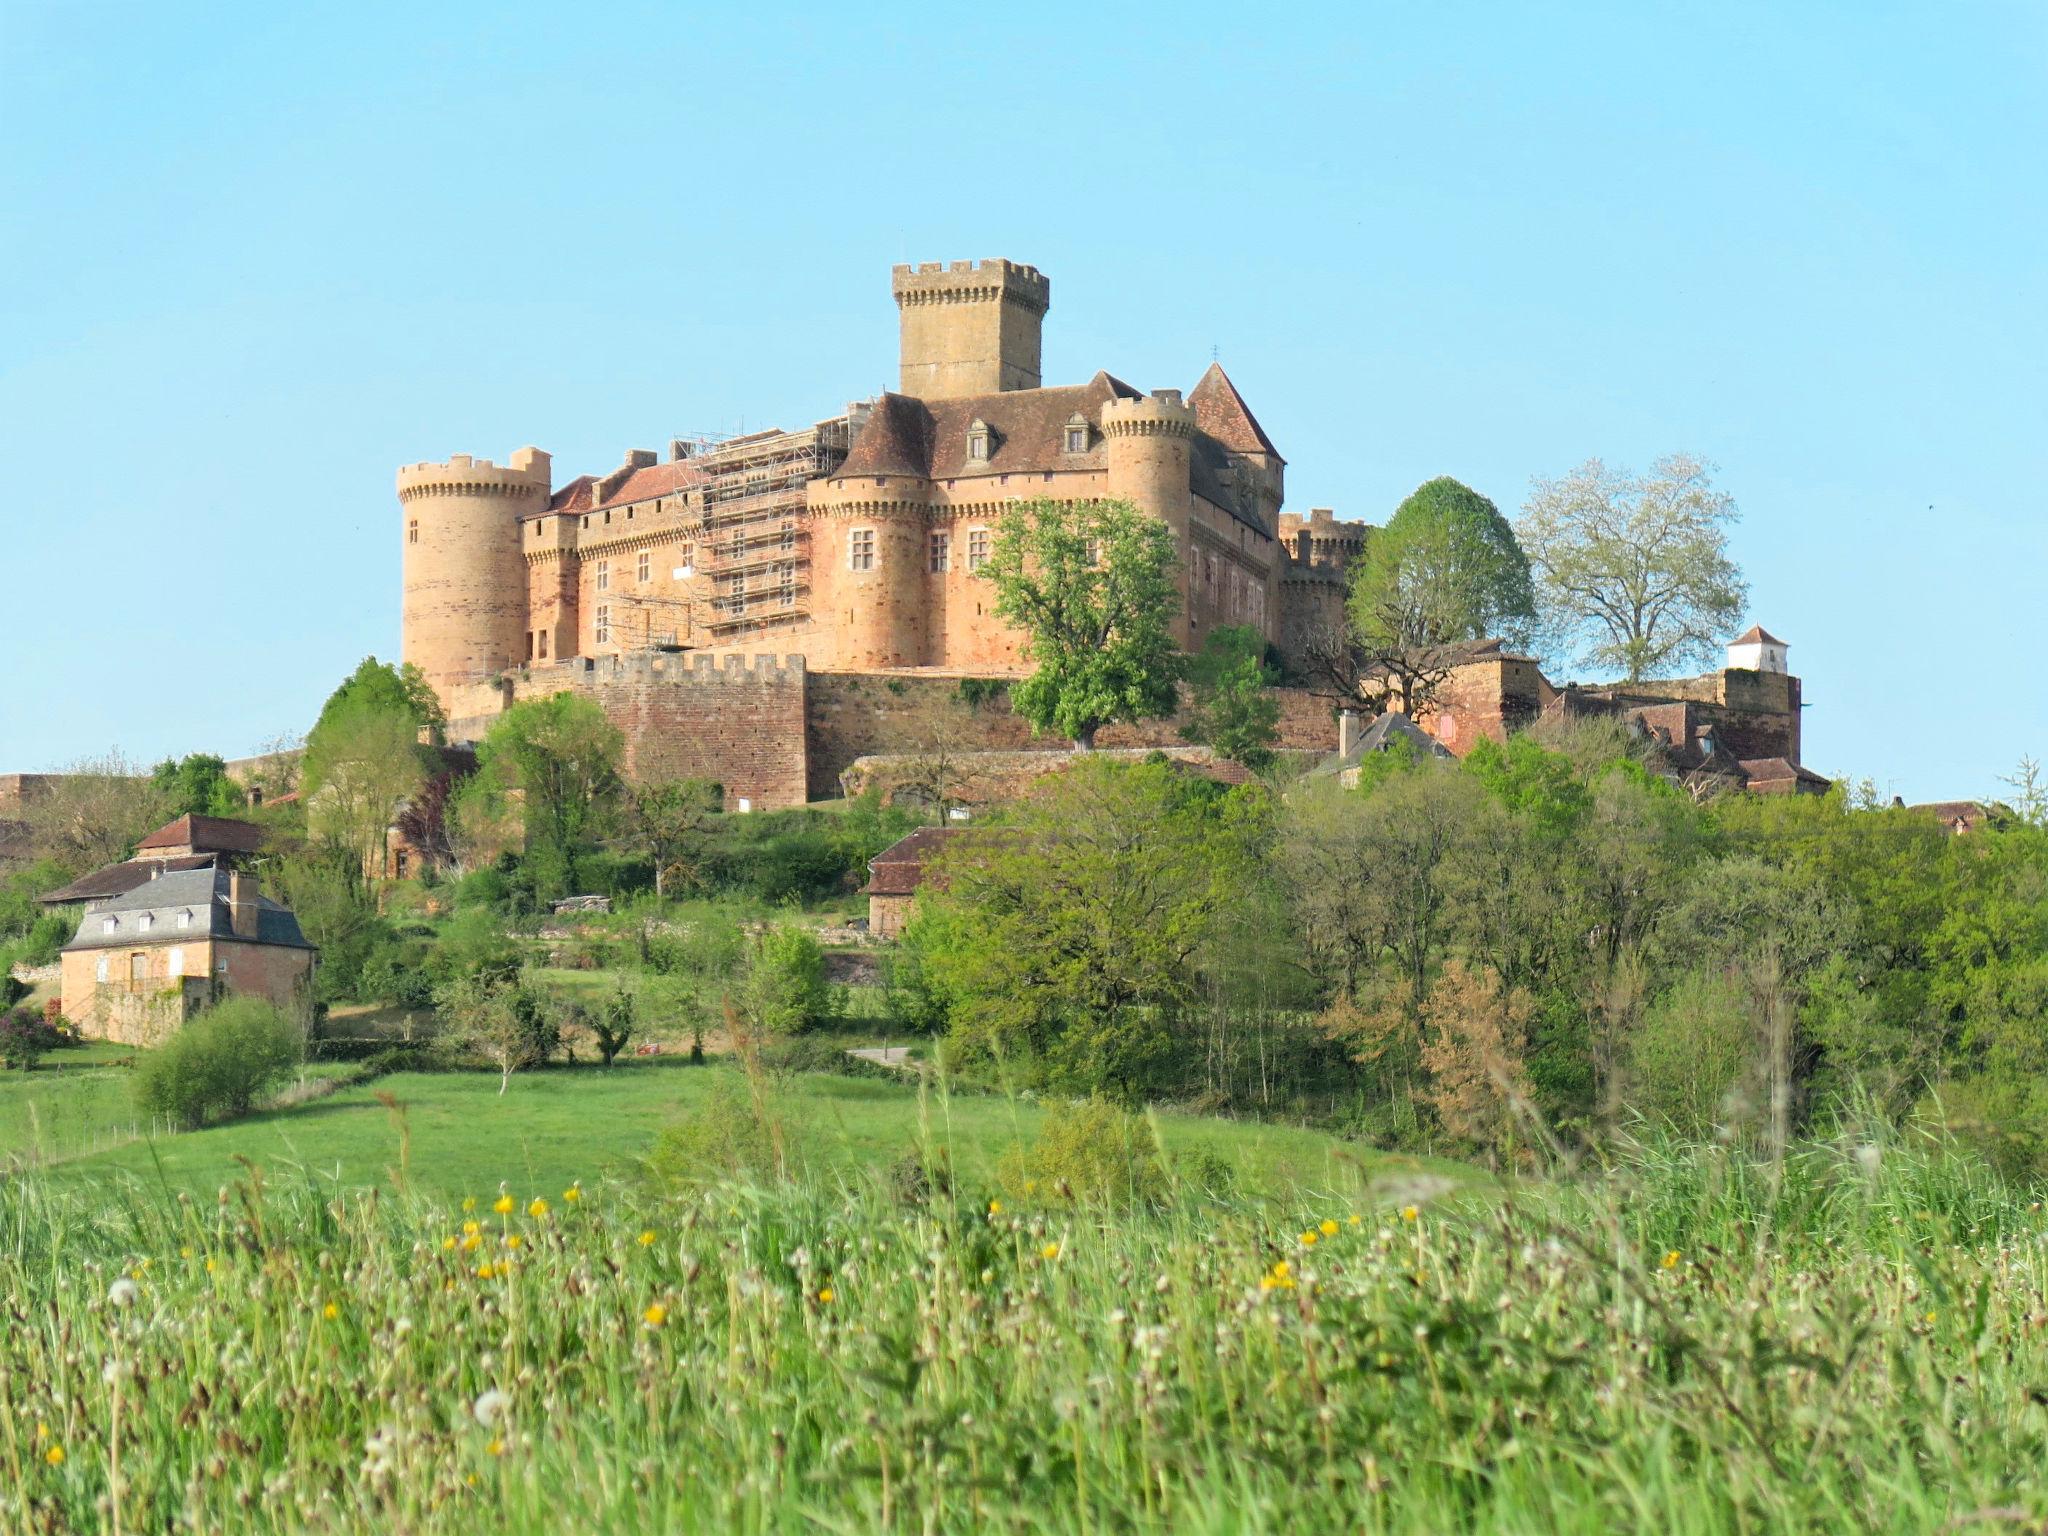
(868, 558)
(1148, 444)
(464, 618)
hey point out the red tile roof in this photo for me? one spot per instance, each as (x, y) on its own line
(576, 496)
(1756, 633)
(898, 870)
(652, 481)
(205, 834)
(1221, 412)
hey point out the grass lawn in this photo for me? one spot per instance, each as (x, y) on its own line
(587, 1123)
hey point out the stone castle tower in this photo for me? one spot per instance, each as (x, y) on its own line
(970, 328)
(464, 614)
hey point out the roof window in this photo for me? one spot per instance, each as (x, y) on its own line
(977, 441)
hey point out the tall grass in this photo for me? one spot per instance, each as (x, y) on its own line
(1682, 1341)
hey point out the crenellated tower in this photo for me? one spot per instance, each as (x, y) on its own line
(465, 580)
(1148, 443)
(970, 328)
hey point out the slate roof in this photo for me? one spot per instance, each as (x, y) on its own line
(119, 879)
(198, 895)
(1382, 733)
(205, 834)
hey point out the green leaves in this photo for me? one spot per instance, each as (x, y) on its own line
(1091, 584)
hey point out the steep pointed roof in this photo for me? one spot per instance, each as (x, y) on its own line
(1221, 412)
(1756, 634)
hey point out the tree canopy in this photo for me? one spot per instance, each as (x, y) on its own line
(1632, 571)
(1445, 569)
(1091, 583)
(1233, 711)
(561, 756)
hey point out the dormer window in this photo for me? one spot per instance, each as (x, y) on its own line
(109, 924)
(977, 441)
(147, 922)
(185, 919)
(1077, 433)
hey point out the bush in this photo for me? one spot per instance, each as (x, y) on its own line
(786, 988)
(1092, 1152)
(724, 1138)
(25, 1038)
(220, 1063)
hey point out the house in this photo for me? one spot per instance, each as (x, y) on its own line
(1960, 816)
(1354, 746)
(896, 874)
(190, 842)
(145, 960)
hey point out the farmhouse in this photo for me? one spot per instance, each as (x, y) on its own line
(144, 961)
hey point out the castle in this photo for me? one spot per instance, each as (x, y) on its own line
(725, 604)
(857, 540)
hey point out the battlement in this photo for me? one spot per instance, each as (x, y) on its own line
(972, 282)
(1163, 413)
(530, 470)
(682, 667)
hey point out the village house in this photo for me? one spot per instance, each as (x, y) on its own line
(147, 959)
(190, 842)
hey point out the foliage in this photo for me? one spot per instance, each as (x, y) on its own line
(1632, 571)
(1092, 1152)
(725, 1137)
(1472, 1048)
(94, 812)
(1062, 943)
(1232, 710)
(198, 785)
(668, 822)
(561, 755)
(612, 1023)
(326, 890)
(379, 687)
(785, 989)
(363, 762)
(500, 1019)
(220, 1063)
(25, 1038)
(1445, 569)
(1091, 584)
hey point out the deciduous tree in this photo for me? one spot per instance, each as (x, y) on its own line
(1632, 571)
(1091, 585)
(561, 756)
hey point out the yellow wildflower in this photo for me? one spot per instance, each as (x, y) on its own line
(647, 1238)
(1410, 1213)
(504, 1205)
(825, 1295)
(1329, 1229)
(1030, 1186)
(1310, 1237)
(471, 1243)
(1283, 1269)
(572, 1194)
(184, 1253)
(484, 1271)
(655, 1315)
(209, 1266)
(54, 1455)
(469, 1202)
(1049, 1252)
(330, 1311)
(1354, 1219)
(447, 1243)
(495, 1448)
(538, 1209)
(1670, 1260)
(471, 1228)
(995, 1207)
(512, 1239)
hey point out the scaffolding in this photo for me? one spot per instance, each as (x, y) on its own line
(751, 547)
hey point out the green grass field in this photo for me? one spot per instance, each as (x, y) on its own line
(462, 1137)
(1689, 1343)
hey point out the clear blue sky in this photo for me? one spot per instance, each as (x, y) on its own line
(254, 257)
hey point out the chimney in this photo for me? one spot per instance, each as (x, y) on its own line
(1347, 731)
(242, 909)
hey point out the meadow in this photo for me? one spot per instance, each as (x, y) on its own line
(482, 1338)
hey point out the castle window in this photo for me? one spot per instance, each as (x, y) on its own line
(977, 548)
(604, 575)
(977, 441)
(1077, 434)
(643, 568)
(941, 552)
(412, 531)
(602, 631)
(100, 974)
(543, 645)
(529, 645)
(860, 550)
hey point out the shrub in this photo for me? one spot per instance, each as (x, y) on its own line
(611, 1025)
(24, 1038)
(220, 1063)
(723, 1138)
(1091, 1152)
(786, 988)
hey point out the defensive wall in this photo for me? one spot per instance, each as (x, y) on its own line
(776, 733)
